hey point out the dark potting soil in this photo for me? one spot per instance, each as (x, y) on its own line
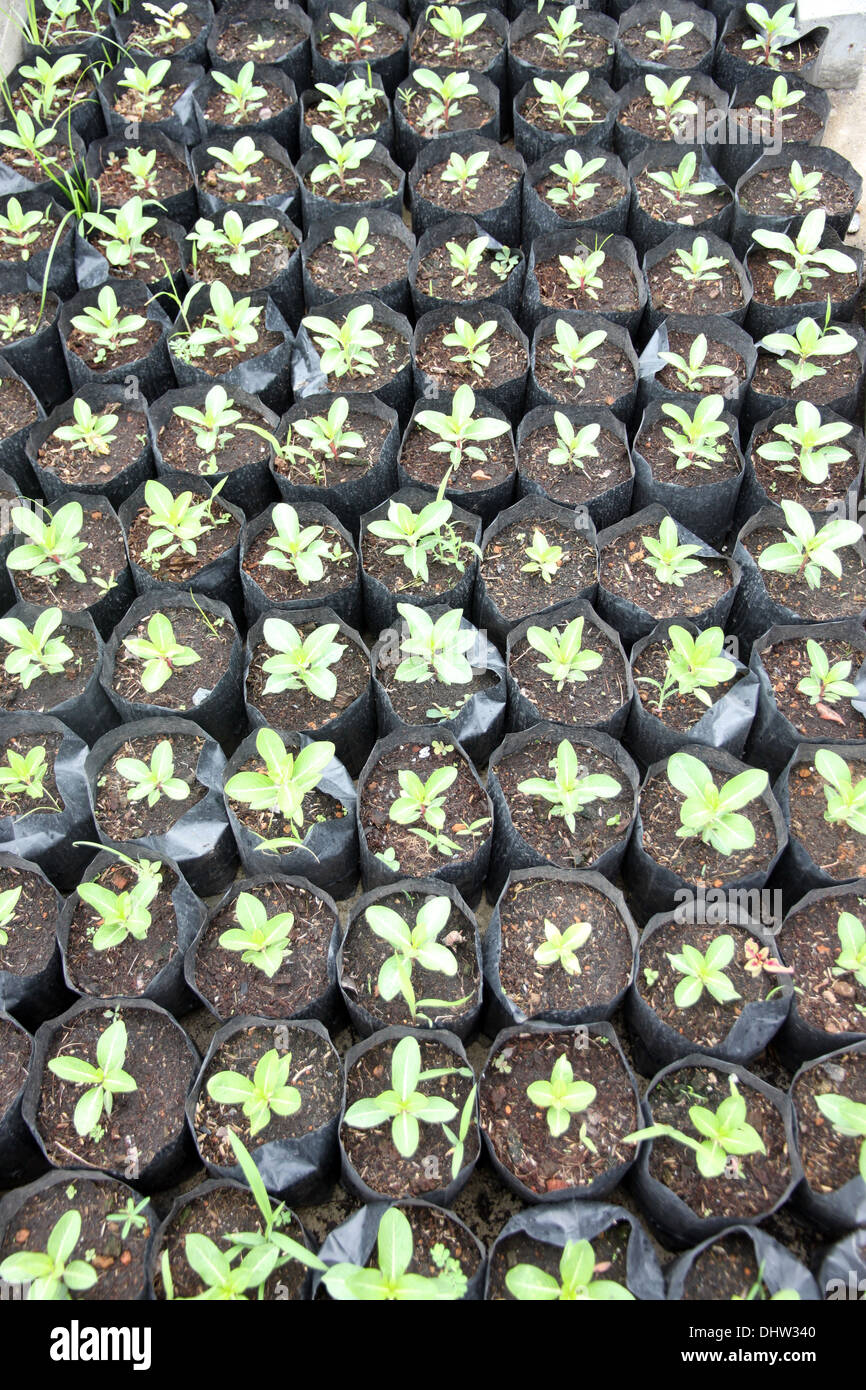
(234, 986)
(726, 1270)
(597, 826)
(300, 709)
(283, 585)
(186, 686)
(836, 598)
(271, 260)
(438, 278)
(706, 1023)
(158, 107)
(718, 355)
(438, 361)
(464, 803)
(17, 406)
(366, 123)
(840, 375)
(679, 712)
(75, 89)
(691, 859)
(609, 1249)
(391, 571)
(810, 944)
(364, 954)
(142, 1122)
(30, 932)
(659, 454)
(583, 50)
(86, 348)
(48, 802)
(621, 570)
(687, 211)
(315, 1073)
(121, 819)
(27, 308)
(839, 285)
(128, 968)
(519, 1133)
(489, 190)
(341, 463)
(472, 113)
(786, 664)
(338, 47)
(217, 112)
(686, 52)
(542, 117)
(56, 154)
(478, 52)
(338, 273)
(610, 378)
(588, 701)
(762, 194)
(116, 185)
(48, 690)
(517, 594)
(760, 1178)
(674, 295)
(271, 825)
(605, 960)
(372, 1151)
(263, 39)
(218, 1214)
(568, 483)
(14, 1059)
(235, 447)
(425, 466)
(608, 192)
(800, 125)
(266, 179)
(365, 184)
(230, 357)
(618, 289)
(149, 264)
(79, 466)
(643, 116)
(432, 701)
(179, 567)
(117, 1258)
(836, 848)
(789, 59)
(103, 560)
(830, 1159)
(149, 36)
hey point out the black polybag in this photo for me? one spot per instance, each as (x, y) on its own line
(210, 204)
(628, 141)
(508, 295)
(646, 231)
(731, 69)
(409, 142)
(779, 1269)
(391, 67)
(604, 508)
(764, 318)
(798, 873)
(282, 124)
(89, 713)
(630, 68)
(534, 141)
(180, 126)
(683, 239)
(115, 488)
(716, 329)
(703, 502)
(799, 1041)
(308, 379)
(42, 994)
(551, 245)
(345, 601)
(20, 1159)
(355, 1240)
(13, 456)
(182, 206)
(758, 405)
(844, 1207)
(502, 222)
(526, 23)
(48, 838)
(316, 205)
(264, 375)
(38, 358)
(738, 151)
(150, 375)
(395, 293)
(541, 216)
(583, 324)
(293, 61)
(826, 160)
(486, 502)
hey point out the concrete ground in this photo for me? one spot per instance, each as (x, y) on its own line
(846, 134)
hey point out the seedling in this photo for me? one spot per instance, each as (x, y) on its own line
(774, 33)
(121, 915)
(25, 776)
(410, 944)
(54, 545)
(456, 28)
(147, 86)
(698, 267)
(725, 1133)
(132, 1217)
(669, 103)
(564, 39)
(576, 173)
(287, 779)
(211, 425)
(572, 354)
(543, 559)
(826, 684)
(694, 665)
(573, 445)
(472, 341)
(344, 347)
(123, 234)
(301, 663)
(778, 104)
(177, 522)
(140, 165)
(568, 793)
(802, 188)
(348, 106)
(19, 230)
(161, 654)
(692, 372)
(53, 1276)
(35, 652)
(581, 272)
(805, 551)
(561, 1097)
(104, 1081)
(561, 947)
(8, 905)
(238, 164)
(851, 959)
(422, 801)
(170, 24)
(459, 434)
(695, 444)
(848, 1118)
(446, 94)
(805, 261)
(154, 779)
(106, 327)
(464, 173)
(423, 536)
(403, 1104)
(704, 971)
(679, 185)
(47, 87)
(245, 97)
(263, 941)
(296, 548)
(28, 143)
(434, 649)
(230, 326)
(389, 1280)
(710, 811)
(359, 30)
(807, 342)
(352, 246)
(667, 37)
(561, 102)
(466, 261)
(343, 158)
(264, 1095)
(846, 802)
(577, 1265)
(233, 245)
(670, 561)
(568, 661)
(92, 431)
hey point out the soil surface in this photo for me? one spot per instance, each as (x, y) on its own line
(517, 594)
(618, 290)
(584, 50)
(432, 49)
(50, 802)
(390, 570)
(490, 189)
(122, 819)
(763, 194)
(835, 848)
(609, 1248)
(438, 278)
(810, 945)
(608, 192)
(15, 1050)
(341, 465)
(266, 39)
(838, 284)
(30, 931)
(271, 259)
(690, 210)
(727, 1269)
(130, 967)
(840, 375)
(265, 179)
(281, 586)
(673, 294)
(653, 443)
(591, 701)
(103, 560)
(686, 52)
(472, 113)
(117, 185)
(369, 121)
(612, 377)
(438, 360)
(371, 181)
(145, 338)
(786, 664)
(235, 447)
(830, 1159)
(187, 686)
(425, 465)
(543, 117)
(17, 406)
(271, 825)
(718, 355)
(337, 273)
